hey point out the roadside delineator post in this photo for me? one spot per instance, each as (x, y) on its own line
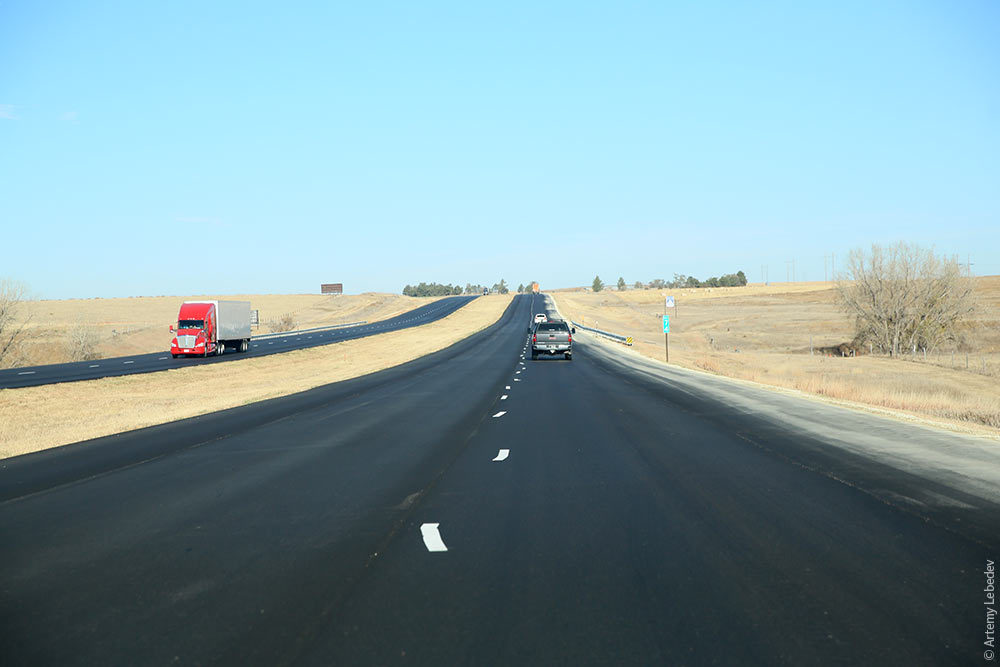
(666, 337)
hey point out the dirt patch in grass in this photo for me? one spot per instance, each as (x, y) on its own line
(791, 336)
(35, 418)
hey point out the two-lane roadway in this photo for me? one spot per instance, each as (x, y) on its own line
(159, 361)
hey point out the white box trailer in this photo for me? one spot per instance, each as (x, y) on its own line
(234, 320)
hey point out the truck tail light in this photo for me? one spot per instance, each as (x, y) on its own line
(571, 338)
(534, 338)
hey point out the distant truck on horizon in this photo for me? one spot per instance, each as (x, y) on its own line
(534, 287)
(210, 328)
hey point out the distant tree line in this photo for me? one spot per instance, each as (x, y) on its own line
(436, 289)
(432, 289)
(680, 281)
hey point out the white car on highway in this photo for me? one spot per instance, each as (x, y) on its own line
(541, 317)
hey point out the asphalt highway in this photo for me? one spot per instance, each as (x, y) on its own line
(146, 363)
(477, 507)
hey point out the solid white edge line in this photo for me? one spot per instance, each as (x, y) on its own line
(26, 373)
(128, 362)
(500, 414)
(502, 454)
(432, 538)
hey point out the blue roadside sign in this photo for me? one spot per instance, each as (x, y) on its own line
(666, 324)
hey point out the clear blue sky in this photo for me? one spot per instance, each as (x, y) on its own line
(176, 148)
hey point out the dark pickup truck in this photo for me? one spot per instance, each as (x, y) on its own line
(552, 337)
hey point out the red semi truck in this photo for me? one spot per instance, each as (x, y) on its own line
(211, 327)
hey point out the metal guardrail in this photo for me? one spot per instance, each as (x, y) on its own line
(624, 340)
(299, 332)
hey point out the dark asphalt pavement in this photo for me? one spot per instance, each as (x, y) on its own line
(631, 522)
(30, 376)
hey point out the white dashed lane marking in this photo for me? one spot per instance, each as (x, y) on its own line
(26, 373)
(128, 362)
(504, 397)
(432, 538)
(500, 414)
(503, 454)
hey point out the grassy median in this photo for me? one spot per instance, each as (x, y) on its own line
(35, 418)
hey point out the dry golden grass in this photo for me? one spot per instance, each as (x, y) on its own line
(35, 418)
(764, 334)
(139, 324)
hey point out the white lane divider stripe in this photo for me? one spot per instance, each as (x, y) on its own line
(93, 366)
(503, 454)
(128, 362)
(432, 538)
(500, 414)
(517, 379)
(506, 386)
(504, 397)
(26, 373)
(161, 358)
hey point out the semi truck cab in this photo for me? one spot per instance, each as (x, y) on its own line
(195, 330)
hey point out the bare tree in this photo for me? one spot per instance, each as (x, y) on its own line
(12, 297)
(905, 297)
(82, 343)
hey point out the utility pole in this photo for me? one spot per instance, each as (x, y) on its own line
(788, 270)
(968, 266)
(825, 257)
(833, 266)
(793, 270)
